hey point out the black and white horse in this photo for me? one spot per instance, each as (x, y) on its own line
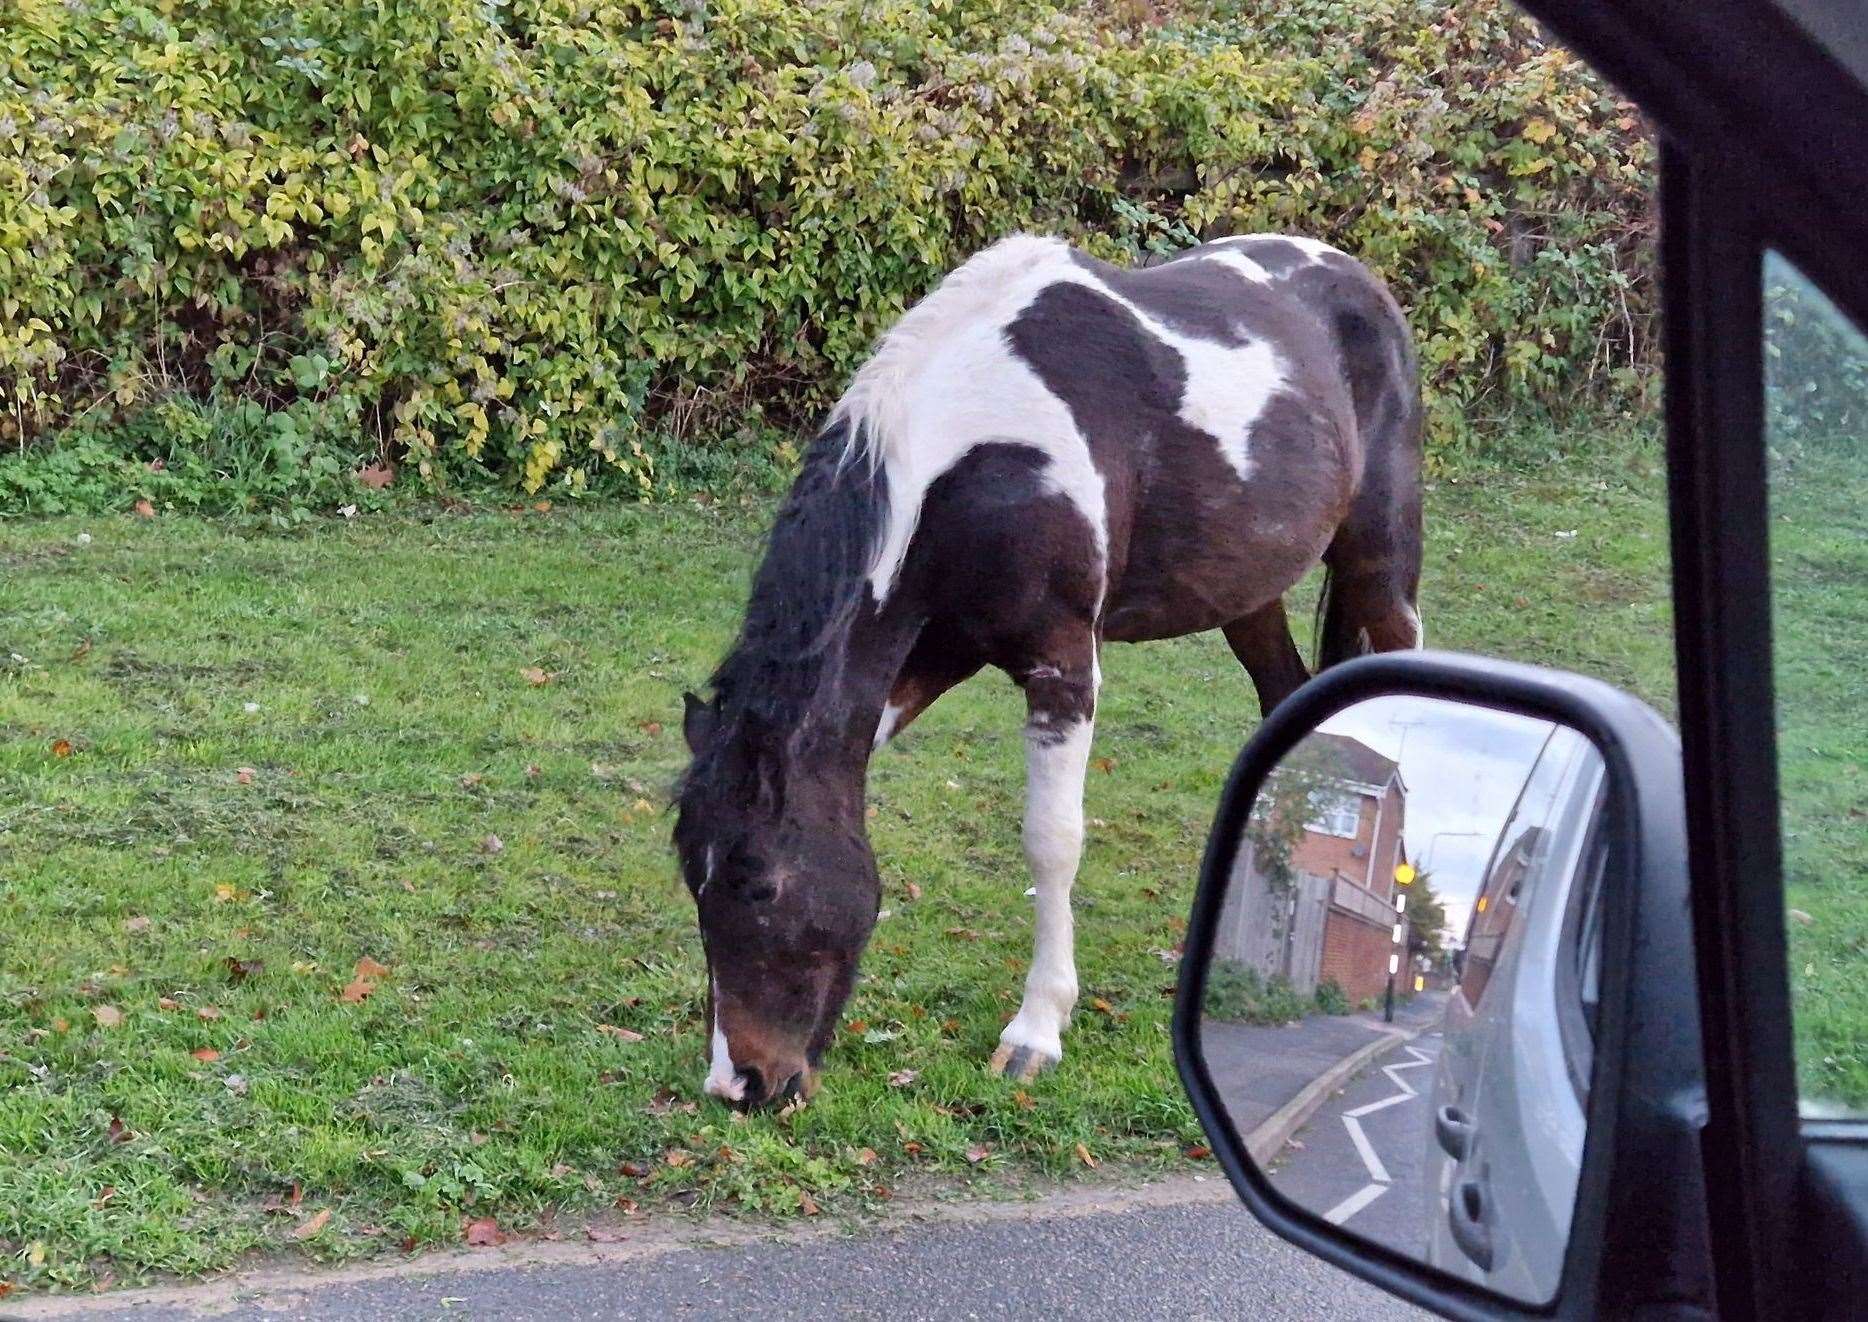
(1044, 454)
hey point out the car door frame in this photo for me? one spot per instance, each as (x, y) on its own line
(1745, 168)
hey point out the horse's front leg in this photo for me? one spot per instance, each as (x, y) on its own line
(1060, 699)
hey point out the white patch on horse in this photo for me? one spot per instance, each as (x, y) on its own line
(723, 1080)
(1314, 249)
(706, 874)
(885, 728)
(1056, 758)
(944, 381)
(1420, 630)
(1238, 263)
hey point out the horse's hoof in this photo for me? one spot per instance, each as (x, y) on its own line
(1012, 1061)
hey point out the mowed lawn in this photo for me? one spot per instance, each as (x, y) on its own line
(327, 926)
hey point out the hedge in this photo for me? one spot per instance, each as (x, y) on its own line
(567, 242)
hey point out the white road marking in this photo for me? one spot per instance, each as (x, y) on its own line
(1371, 1161)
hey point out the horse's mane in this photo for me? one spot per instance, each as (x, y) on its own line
(811, 582)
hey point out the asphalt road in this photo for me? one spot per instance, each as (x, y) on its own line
(1359, 1160)
(1189, 1254)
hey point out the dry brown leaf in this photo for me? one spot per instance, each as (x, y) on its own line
(635, 1170)
(858, 1026)
(239, 970)
(1099, 1004)
(914, 891)
(651, 728)
(61, 748)
(1104, 764)
(485, 1233)
(357, 992)
(678, 1157)
(627, 1206)
(978, 1153)
(1083, 1155)
(206, 1055)
(598, 1235)
(119, 1132)
(104, 1195)
(492, 844)
(1024, 1100)
(143, 509)
(807, 1204)
(620, 1034)
(866, 1157)
(369, 968)
(167, 1003)
(1198, 1152)
(107, 1016)
(536, 676)
(902, 1078)
(136, 924)
(376, 476)
(312, 1224)
(244, 775)
(208, 1013)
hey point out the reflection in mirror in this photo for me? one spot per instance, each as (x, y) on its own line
(1400, 1005)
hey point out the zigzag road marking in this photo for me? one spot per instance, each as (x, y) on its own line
(1352, 1121)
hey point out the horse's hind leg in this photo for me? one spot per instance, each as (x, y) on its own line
(1262, 642)
(1060, 701)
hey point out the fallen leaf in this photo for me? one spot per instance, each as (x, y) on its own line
(408, 1244)
(206, 1055)
(620, 1034)
(369, 968)
(107, 1016)
(651, 728)
(678, 1157)
(1800, 917)
(245, 775)
(857, 1026)
(914, 891)
(1104, 764)
(485, 1233)
(902, 1078)
(963, 933)
(239, 970)
(536, 676)
(1083, 1155)
(104, 1195)
(882, 1191)
(208, 1013)
(472, 780)
(61, 748)
(492, 844)
(1024, 1100)
(627, 1206)
(912, 1148)
(357, 992)
(223, 893)
(1198, 1152)
(312, 1224)
(807, 1204)
(137, 924)
(167, 1003)
(533, 771)
(376, 476)
(143, 509)
(236, 1084)
(118, 1131)
(1099, 1004)
(866, 1157)
(978, 1153)
(635, 1170)
(597, 1235)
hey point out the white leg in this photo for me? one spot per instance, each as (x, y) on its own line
(1057, 753)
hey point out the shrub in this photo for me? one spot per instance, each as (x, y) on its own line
(1238, 992)
(1331, 998)
(556, 241)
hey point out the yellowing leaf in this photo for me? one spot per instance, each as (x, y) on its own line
(107, 1016)
(1540, 131)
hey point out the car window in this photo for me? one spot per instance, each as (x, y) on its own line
(1579, 964)
(1816, 425)
(1523, 844)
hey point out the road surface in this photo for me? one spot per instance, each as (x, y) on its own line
(1182, 1250)
(1358, 1161)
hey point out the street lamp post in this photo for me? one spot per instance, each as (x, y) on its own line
(1404, 876)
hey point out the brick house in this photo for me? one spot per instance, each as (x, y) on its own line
(1355, 844)
(1337, 920)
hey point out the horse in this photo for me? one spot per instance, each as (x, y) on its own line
(1047, 453)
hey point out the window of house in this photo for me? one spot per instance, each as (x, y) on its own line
(1341, 815)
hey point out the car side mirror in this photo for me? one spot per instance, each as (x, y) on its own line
(1437, 1010)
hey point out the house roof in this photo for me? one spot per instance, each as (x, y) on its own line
(1353, 758)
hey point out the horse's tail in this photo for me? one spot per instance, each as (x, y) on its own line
(1323, 654)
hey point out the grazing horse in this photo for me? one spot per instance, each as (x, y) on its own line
(1044, 454)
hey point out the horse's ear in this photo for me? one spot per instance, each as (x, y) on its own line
(698, 721)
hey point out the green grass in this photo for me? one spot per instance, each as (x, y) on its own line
(139, 872)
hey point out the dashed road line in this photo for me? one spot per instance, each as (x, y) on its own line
(1380, 1180)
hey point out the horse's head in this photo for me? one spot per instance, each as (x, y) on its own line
(786, 890)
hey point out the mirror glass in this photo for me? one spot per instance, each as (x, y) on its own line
(1400, 1005)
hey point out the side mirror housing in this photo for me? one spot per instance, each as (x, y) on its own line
(1515, 1132)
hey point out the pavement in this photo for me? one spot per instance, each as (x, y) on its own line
(1182, 1250)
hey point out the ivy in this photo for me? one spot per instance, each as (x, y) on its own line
(550, 240)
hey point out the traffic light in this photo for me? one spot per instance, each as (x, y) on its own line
(1405, 874)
